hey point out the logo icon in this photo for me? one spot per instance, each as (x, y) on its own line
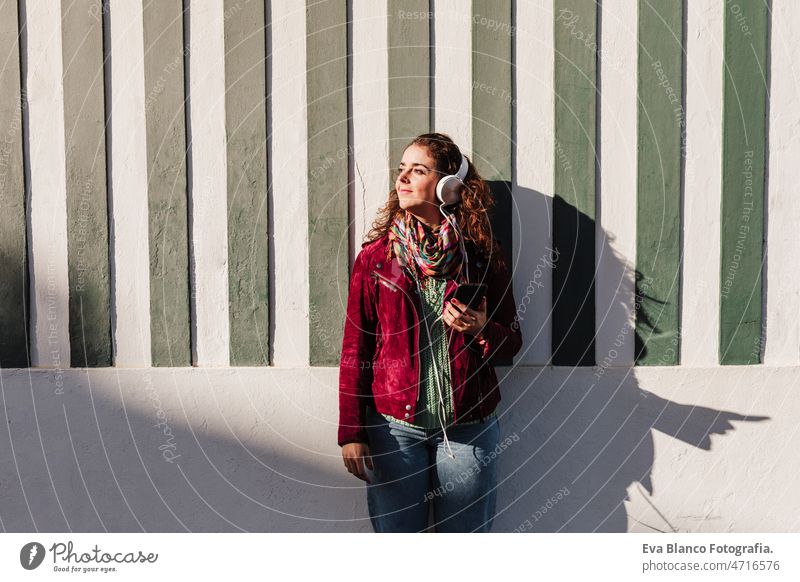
(31, 555)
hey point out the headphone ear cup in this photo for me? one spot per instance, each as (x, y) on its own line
(448, 190)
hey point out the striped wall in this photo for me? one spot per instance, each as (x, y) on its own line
(187, 185)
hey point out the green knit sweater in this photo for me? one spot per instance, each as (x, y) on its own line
(430, 349)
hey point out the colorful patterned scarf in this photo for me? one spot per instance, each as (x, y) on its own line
(427, 252)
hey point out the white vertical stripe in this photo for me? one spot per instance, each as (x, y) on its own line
(48, 190)
(370, 115)
(615, 251)
(289, 160)
(532, 191)
(453, 71)
(783, 208)
(130, 260)
(209, 185)
(703, 185)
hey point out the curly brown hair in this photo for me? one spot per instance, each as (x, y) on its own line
(476, 200)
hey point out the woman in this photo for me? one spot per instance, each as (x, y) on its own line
(417, 386)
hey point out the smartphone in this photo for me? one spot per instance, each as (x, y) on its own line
(471, 294)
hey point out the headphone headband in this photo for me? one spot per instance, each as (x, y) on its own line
(463, 168)
(448, 190)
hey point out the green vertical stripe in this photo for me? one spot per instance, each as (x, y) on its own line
(743, 153)
(326, 50)
(492, 34)
(166, 182)
(575, 34)
(492, 103)
(246, 132)
(14, 287)
(409, 75)
(87, 209)
(658, 209)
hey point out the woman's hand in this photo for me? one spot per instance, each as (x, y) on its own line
(355, 456)
(463, 319)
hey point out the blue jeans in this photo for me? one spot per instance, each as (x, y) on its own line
(412, 470)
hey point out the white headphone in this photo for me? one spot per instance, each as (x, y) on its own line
(448, 190)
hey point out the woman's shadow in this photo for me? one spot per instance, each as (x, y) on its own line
(578, 437)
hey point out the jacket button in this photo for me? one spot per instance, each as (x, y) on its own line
(408, 407)
(407, 415)
(379, 265)
(479, 264)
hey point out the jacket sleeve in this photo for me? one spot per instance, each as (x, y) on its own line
(358, 349)
(501, 337)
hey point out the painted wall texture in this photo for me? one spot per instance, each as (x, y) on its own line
(184, 186)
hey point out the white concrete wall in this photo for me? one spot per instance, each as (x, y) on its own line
(661, 449)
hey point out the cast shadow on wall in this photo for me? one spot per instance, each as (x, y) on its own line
(585, 435)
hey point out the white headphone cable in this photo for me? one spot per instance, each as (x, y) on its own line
(454, 223)
(440, 412)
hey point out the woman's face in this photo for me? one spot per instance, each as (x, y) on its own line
(416, 182)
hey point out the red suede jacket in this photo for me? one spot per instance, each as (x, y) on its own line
(380, 355)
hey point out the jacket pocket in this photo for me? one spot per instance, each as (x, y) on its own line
(385, 282)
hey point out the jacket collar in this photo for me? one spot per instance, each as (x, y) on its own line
(395, 273)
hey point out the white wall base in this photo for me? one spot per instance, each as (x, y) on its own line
(170, 449)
